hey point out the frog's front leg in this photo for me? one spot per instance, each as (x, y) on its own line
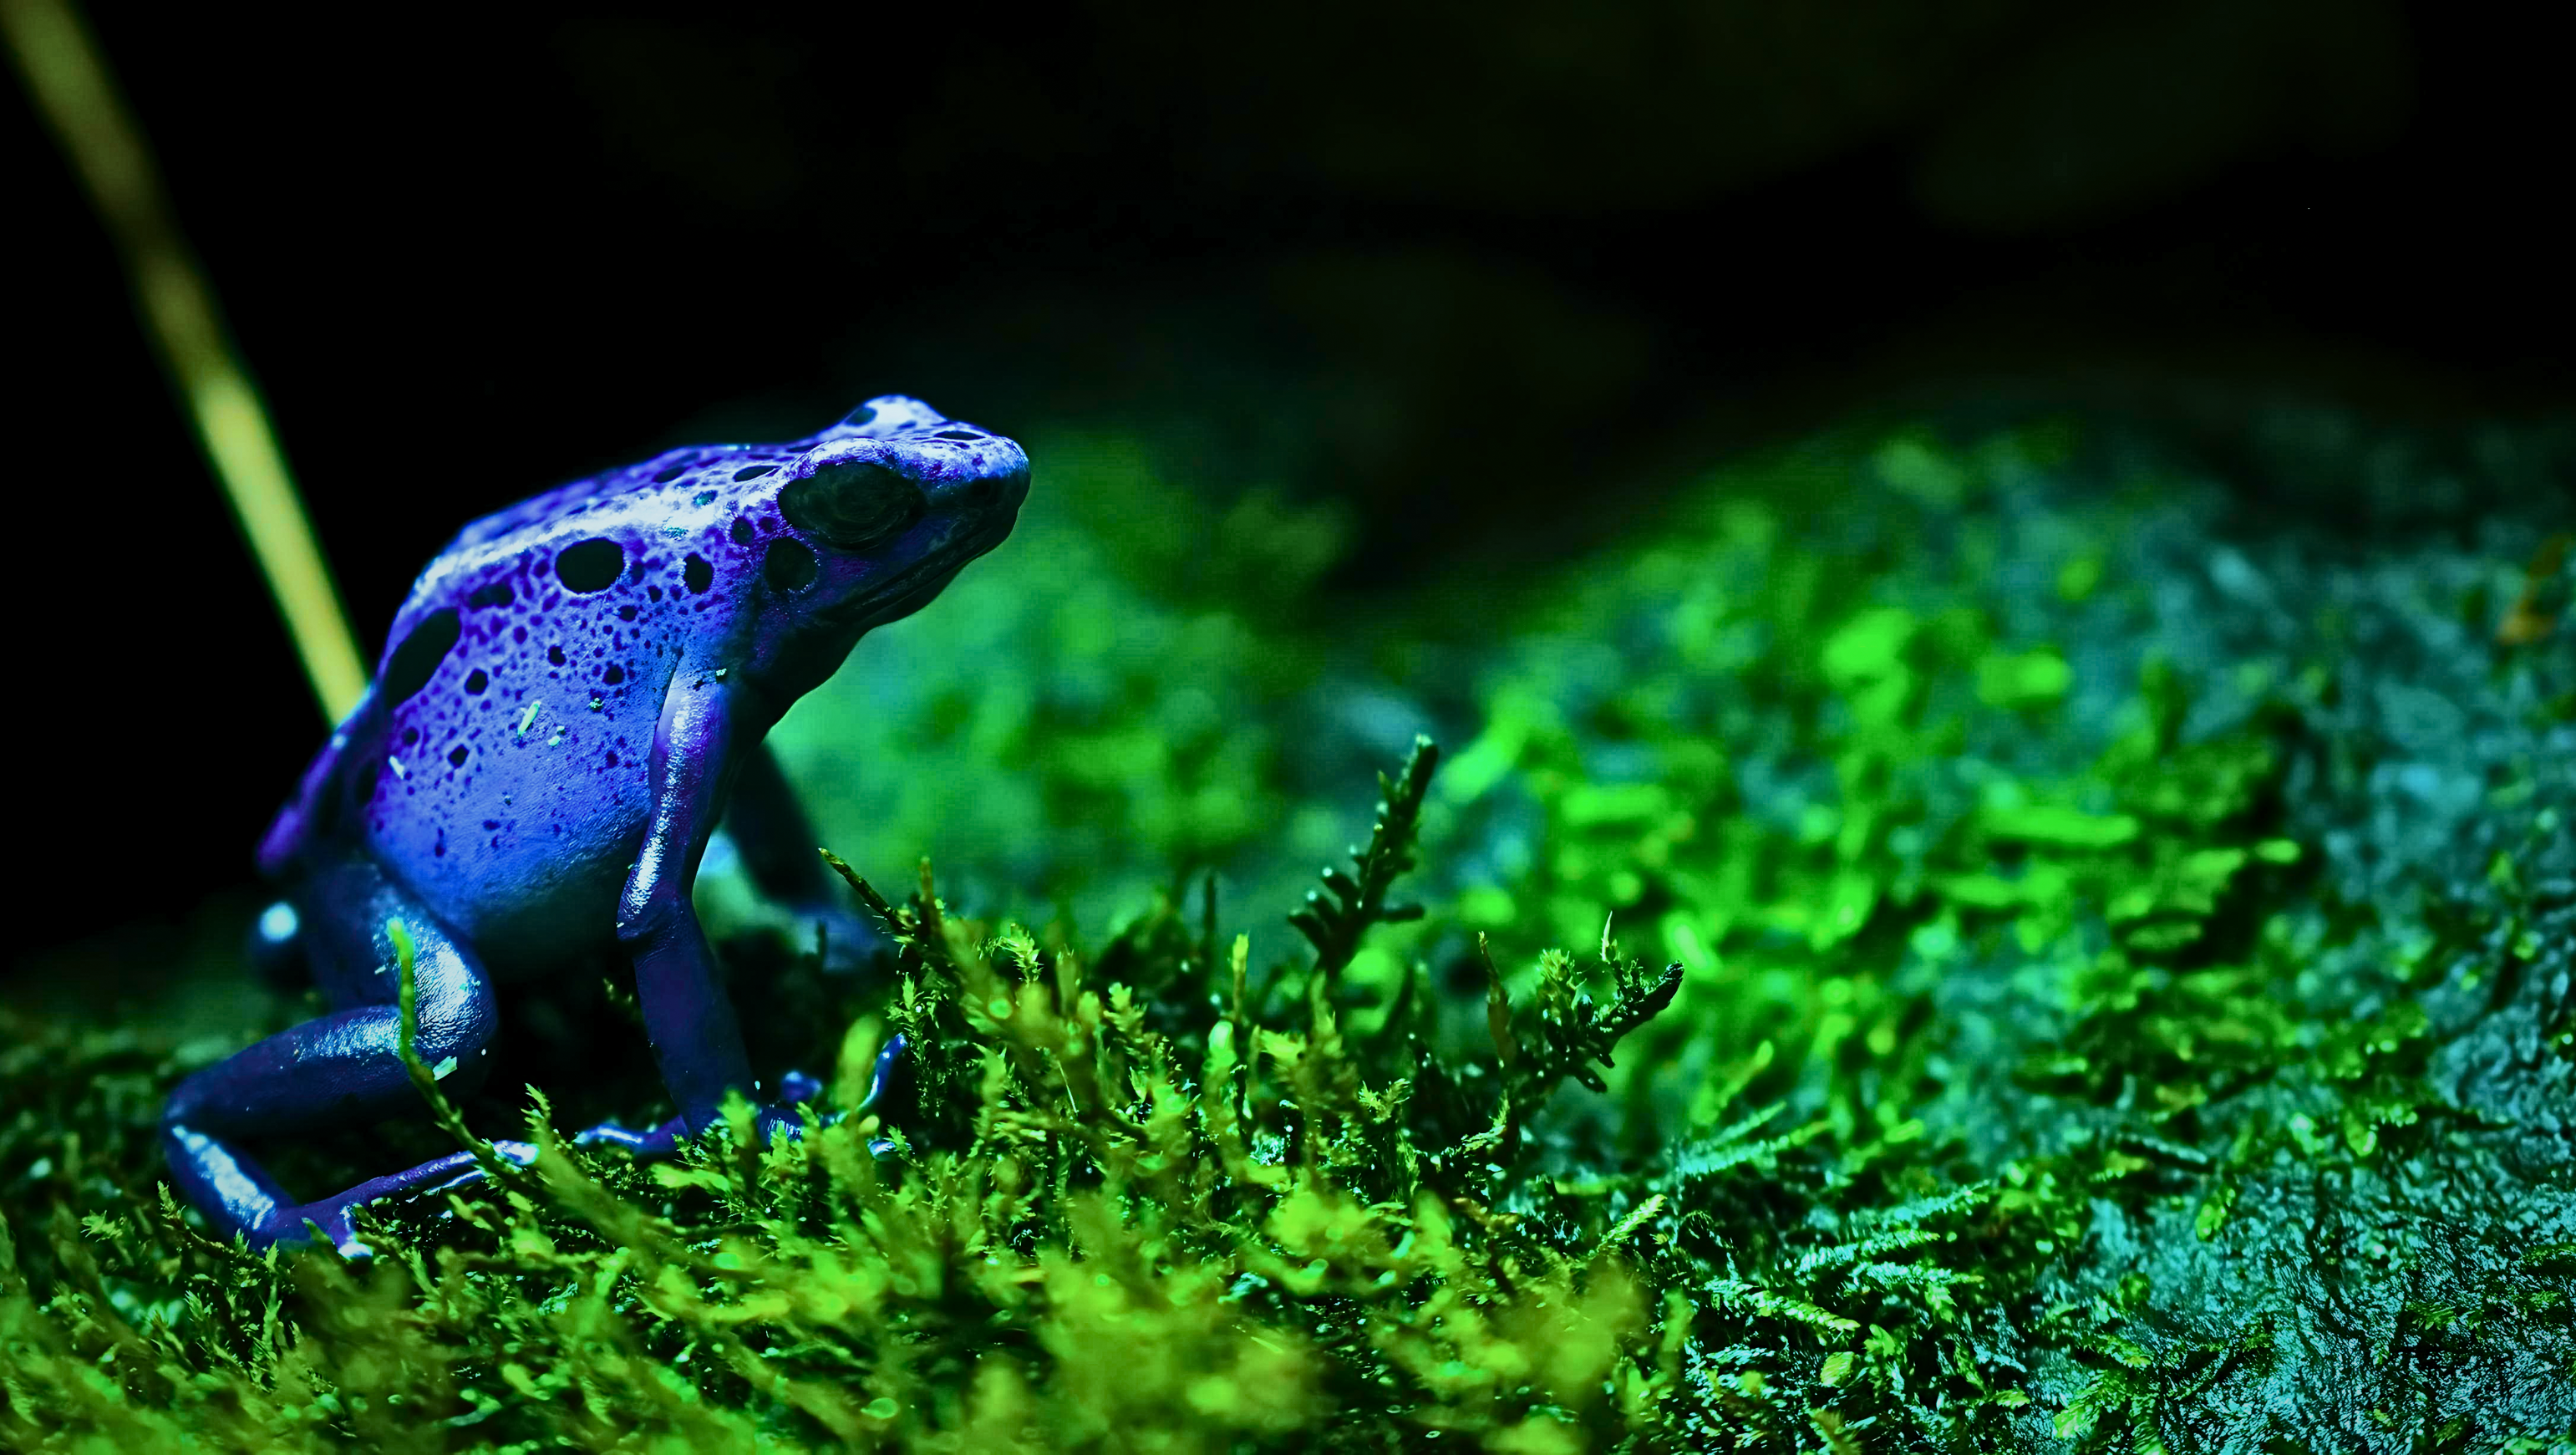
(777, 846)
(690, 1021)
(795, 1089)
(338, 1069)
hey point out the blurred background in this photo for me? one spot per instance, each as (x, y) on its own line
(1435, 292)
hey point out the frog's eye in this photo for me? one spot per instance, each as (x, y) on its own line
(853, 505)
(591, 565)
(410, 666)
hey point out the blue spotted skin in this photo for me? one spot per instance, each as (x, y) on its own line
(565, 707)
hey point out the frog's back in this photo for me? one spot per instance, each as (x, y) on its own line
(510, 776)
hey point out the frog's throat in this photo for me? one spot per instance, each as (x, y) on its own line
(917, 585)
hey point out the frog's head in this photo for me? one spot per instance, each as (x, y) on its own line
(878, 513)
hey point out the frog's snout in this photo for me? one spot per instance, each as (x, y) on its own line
(962, 474)
(988, 493)
(963, 470)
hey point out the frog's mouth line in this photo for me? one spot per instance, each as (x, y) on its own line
(917, 585)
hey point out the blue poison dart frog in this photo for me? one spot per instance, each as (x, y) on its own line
(571, 699)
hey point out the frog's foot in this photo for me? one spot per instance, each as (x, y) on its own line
(248, 1203)
(429, 1179)
(651, 1142)
(794, 1089)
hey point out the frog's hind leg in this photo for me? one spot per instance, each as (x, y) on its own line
(337, 1069)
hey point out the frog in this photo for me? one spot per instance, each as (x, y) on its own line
(570, 702)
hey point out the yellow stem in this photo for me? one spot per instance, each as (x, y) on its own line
(68, 81)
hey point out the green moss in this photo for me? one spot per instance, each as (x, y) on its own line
(1935, 944)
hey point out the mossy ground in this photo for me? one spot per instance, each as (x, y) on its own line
(1970, 940)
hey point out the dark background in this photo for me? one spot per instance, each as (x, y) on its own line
(1489, 272)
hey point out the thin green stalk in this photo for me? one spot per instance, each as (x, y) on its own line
(424, 1077)
(67, 79)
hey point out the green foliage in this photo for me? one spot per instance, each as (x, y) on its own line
(1099, 705)
(2114, 992)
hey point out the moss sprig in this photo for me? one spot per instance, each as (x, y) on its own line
(1335, 917)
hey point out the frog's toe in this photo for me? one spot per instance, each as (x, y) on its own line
(653, 1142)
(773, 1120)
(522, 1153)
(330, 1224)
(885, 1080)
(796, 1087)
(332, 1219)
